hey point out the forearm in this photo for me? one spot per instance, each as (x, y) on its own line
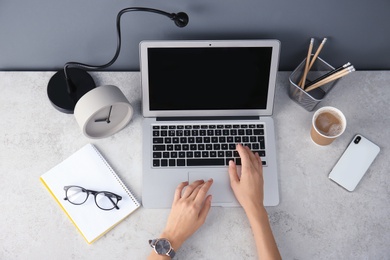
(264, 239)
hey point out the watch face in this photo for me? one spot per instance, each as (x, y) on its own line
(163, 246)
(108, 120)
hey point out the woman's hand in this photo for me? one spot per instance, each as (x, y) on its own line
(189, 211)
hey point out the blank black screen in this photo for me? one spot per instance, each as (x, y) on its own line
(214, 78)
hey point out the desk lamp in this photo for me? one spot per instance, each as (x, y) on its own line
(100, 111)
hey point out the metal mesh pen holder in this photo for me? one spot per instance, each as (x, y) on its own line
(309, 100)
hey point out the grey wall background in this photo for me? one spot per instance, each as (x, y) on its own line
(45, 34)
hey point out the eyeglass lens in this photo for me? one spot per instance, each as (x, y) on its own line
(76, 195)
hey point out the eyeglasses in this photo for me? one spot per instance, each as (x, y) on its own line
(105, 200)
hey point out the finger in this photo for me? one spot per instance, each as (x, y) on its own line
(203, 191)
(205, 209)
(259, 163)
(179, 190)
(195, 192)
(233, 173)
(251, 155)
(190, 188)
(258, 159)
(244, 155)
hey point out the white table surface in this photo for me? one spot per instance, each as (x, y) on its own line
(316, 219)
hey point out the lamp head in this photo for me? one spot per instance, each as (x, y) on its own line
(181, 19)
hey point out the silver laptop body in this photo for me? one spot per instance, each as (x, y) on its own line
(197, 87)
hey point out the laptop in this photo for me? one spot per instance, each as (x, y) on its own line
(199, 99)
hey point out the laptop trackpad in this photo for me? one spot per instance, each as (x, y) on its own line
(220, 190)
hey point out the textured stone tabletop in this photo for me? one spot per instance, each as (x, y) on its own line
(316, 219)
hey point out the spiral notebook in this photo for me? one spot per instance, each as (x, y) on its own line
(89, 169)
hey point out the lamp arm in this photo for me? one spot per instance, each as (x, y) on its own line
(181, 20)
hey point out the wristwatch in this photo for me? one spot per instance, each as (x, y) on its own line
(162, 247)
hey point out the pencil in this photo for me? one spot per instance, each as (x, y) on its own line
(307, 63)
(328, 74)
(333, 77)
(317, 53)
(314, 58)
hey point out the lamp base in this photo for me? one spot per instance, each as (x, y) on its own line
(57, 89)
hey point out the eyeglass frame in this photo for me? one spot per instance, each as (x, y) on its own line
(66, 188)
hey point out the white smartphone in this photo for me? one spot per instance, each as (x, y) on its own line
(354, 162)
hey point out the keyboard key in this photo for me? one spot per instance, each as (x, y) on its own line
(172, 162)
(164, 162)
(205, 162)
(156, 163)
(158, 140)
(258, 132)
(157, 155)
(181, 162)
(159, 147)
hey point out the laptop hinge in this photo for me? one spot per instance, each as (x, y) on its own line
(200, 118)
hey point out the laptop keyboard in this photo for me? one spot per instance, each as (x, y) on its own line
(204, 144)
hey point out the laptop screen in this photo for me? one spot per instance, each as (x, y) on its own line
(198, 78)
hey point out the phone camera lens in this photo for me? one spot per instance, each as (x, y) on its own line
(357, 139)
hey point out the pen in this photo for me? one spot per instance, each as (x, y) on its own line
(328, 74)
